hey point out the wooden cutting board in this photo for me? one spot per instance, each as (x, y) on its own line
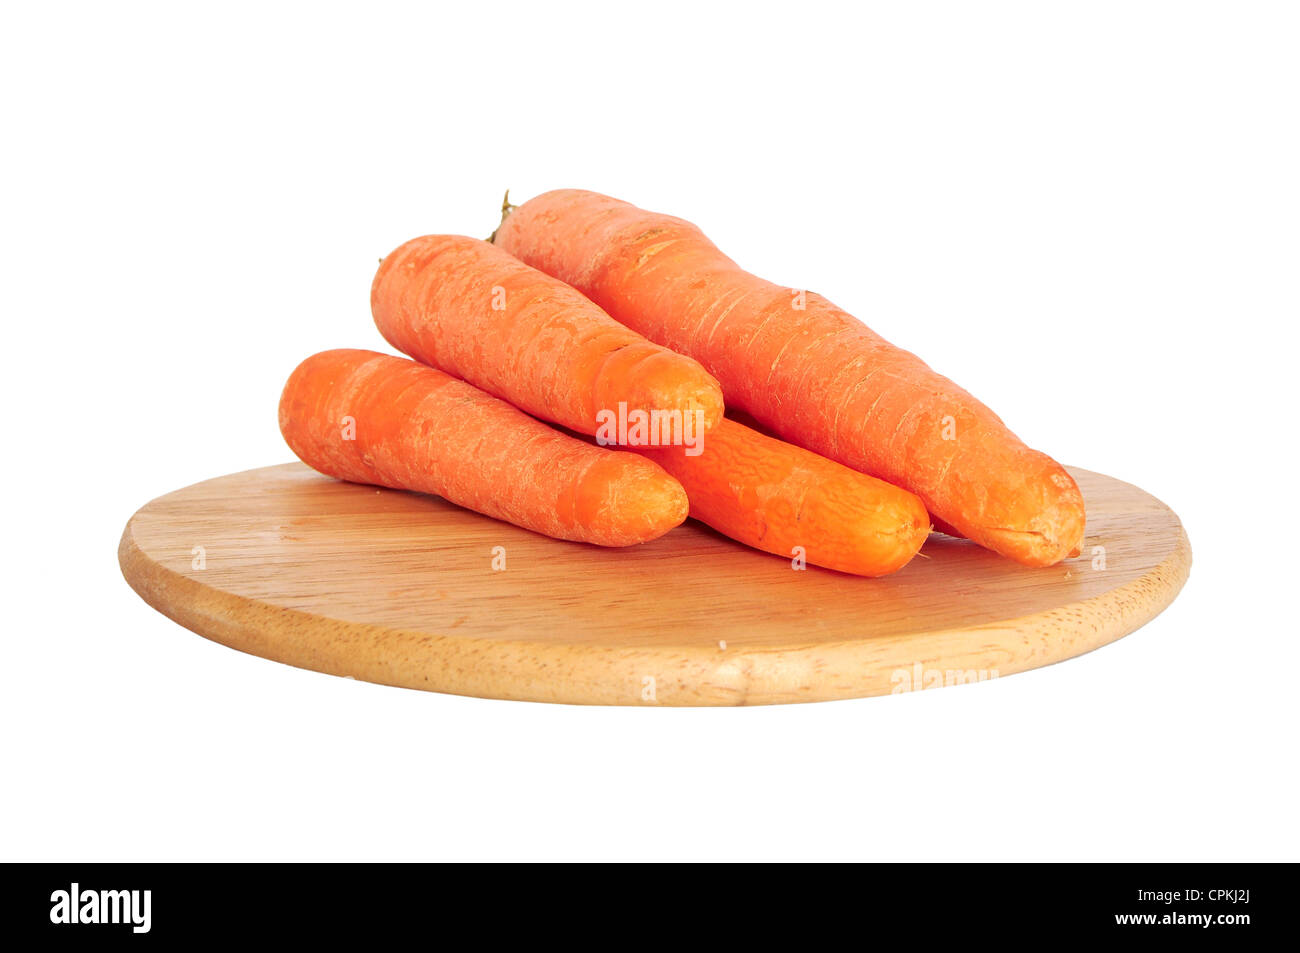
(410, 590)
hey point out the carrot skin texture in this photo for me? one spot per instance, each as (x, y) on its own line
(468, 308)
(774, 496)
(415, 428)
(814, 375)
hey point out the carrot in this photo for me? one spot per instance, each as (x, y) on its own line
(466, 307)
(372, 418)
(783, 499)
(807, 370)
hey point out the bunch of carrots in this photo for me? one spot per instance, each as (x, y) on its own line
(571, 376)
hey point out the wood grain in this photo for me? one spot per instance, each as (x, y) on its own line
(400, 588)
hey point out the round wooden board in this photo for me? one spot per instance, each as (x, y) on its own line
(400, 588)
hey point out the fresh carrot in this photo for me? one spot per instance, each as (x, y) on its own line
(807, 370)
(373, 418)
(783, 499)
(470, 309)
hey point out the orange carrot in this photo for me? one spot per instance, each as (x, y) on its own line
(372, 418)
(807, 370)
(464, 306)
(783, 499)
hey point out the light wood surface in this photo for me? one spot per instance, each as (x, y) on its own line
(400, 588)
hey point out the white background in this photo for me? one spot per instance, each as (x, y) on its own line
(1086, 214)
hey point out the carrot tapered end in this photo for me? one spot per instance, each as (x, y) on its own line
(630, 504)
(653, 380)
